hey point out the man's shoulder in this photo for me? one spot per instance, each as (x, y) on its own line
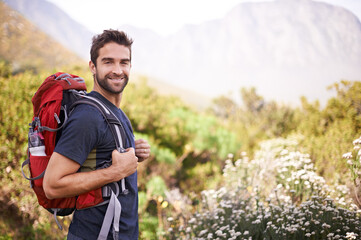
(86, 113)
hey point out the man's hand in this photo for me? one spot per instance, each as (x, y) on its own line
(123, 164)
(142, 149)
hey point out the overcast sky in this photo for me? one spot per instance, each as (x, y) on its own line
(162, 16)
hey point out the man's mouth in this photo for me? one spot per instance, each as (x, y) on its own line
(116, 79)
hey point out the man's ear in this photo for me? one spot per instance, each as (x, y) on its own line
(92, 67)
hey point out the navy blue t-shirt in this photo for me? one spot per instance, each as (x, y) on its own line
(87, 139)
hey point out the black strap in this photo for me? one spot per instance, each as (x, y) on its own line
(109, 116)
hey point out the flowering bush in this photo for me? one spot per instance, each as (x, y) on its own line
(354, 164)
(278, 195)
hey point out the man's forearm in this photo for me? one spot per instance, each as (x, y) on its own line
(62, 178)
(76, 184)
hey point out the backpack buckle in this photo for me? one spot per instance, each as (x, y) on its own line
(107, 189)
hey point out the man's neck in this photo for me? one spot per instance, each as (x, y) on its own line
(113, 98)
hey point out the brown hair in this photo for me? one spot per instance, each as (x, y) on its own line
(107, 36)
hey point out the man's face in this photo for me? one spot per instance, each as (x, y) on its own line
(113, 67)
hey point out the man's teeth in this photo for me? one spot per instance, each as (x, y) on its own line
(116, 79)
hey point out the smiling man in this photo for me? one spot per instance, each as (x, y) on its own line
(79, 162)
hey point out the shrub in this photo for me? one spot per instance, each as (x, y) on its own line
(354, 164)
(288, 201)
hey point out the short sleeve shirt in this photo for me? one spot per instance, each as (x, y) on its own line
(87, 139)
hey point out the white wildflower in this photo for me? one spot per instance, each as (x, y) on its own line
(257, 221)
(193, 220)
(347, 155)
(219, 233)
(326, 225)
(351, 235)
(203, 232)
(357, 141)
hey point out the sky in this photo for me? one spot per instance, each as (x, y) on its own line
(162, 16)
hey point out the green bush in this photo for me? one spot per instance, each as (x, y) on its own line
(277, 196)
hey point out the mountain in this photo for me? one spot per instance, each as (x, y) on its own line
(56, 23)
(26, 47)
(285, 48)
(192, 98)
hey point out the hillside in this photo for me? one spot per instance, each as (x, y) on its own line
(56, 23)
(284, 48)
(192, 98)
(26, 47)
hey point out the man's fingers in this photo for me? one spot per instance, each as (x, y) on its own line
(140, 141)
(142, 145)
(142, 150)
(129, 150)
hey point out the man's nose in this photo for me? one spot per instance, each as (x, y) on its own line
(117, 69)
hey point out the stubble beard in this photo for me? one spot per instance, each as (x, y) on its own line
(104, 82)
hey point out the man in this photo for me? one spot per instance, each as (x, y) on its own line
(88, 144)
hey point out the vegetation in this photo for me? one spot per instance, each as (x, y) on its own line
(193, 186)
(25, 47)
(277, 195)
(326, 132)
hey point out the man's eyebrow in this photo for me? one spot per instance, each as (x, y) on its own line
(112, 59)
(107, 59)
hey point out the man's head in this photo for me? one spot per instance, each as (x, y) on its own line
(110, 61)
(107, 36)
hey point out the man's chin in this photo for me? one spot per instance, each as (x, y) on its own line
(116, 90)
(113, 86)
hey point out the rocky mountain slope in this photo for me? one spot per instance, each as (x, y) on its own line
(56, 23)
(25, 46)
(285, 48)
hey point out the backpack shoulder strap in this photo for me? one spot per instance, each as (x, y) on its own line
(114, 123)
(114, 208)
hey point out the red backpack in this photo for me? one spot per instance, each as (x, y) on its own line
(52, 104)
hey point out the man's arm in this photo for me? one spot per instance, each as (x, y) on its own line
(61, 178)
